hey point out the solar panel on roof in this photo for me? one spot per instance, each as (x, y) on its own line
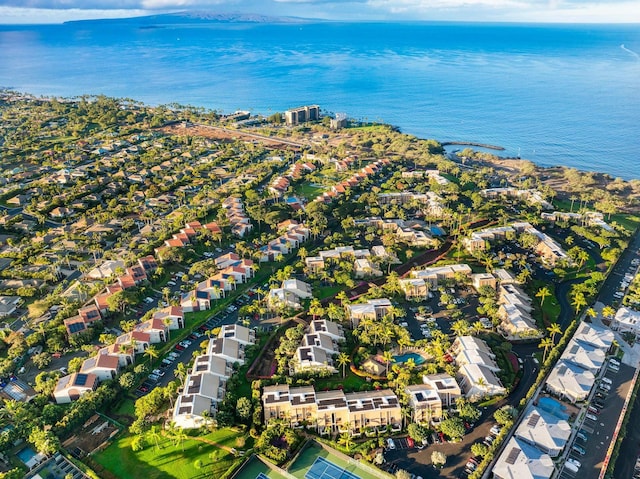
(76, 327)
(81, 379)
(513, 455)
(533, 420)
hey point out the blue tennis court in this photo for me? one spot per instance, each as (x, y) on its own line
(261, 476)
(323, 469)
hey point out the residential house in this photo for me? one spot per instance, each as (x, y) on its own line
(9, 305)
(626, 320)
(569, 381)
(103, 366)
(174, 316)
(70, 388)
(241, 334)
(290, 294)
(545, 431)
(228, 349)
(519, 459)
(414, 288)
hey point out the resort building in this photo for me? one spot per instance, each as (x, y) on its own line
(302, 114)
(414, 288)
(544, 431)
(436, 274)
(445, 385)
(522, 461)
(597, 336)
(333, 411)
(477, 368)
(626, 320)
(373, 310)
(425, 403)
(319, 345)
(569, 381)
(103, 366)
(533, 197)
(515, 313)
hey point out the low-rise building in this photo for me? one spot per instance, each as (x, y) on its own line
(626, 320)
(373, 309)
(425, 403)
(545, 431)
(70, 388)
(569, 381)
(445, 385)
(522, 461)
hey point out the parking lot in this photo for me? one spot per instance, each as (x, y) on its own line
(598, 425)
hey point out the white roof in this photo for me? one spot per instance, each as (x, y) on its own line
(570, 380)
(544, 430)
(519, 460)
(584, 355)
(595, 335)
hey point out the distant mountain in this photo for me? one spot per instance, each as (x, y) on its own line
(194, 17)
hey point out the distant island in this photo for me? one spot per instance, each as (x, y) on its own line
(200, 17)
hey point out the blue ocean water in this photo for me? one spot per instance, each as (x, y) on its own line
(557, 94)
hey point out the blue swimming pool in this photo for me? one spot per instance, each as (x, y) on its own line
(26, 454)
(553, 406)
(403, 358)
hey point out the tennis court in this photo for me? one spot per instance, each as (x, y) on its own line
(315, 462)
(323, 469)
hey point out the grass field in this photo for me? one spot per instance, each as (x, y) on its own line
(309, 191)
(191, 459)
(309, 455)
(254, 467)
(350, 383)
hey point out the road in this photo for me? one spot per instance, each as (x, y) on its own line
(622, 267)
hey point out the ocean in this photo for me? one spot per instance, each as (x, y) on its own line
(555, 94)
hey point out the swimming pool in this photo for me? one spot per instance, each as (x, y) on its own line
(26, 454)
(403, 358)
(554, 407)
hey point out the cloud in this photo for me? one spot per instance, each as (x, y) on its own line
(595, 11)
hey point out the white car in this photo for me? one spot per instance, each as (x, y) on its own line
(390, 444)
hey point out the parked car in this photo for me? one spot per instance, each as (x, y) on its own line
(582, 436)
(579, 449)
(572, 465)
(591, 417)
(390, 443)
(495, 430)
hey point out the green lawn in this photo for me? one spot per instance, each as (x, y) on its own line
(170, 460)
(327, 291)
(351, 382)
(309, 191)
(254, 467)
(630, 222)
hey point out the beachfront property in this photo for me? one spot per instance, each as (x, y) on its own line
(71, 387)
(431, 175)
(573, 376)
(477, 368)
(521, 460)
(331, 412)
(373, 309)
(290, 294)
(302, 114)
(544, 431)
(445, 386)
(533, 197)
(588, 218)
(547, 248)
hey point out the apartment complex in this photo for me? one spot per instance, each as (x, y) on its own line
(204, 386)
(302, 114)
(477, 368)
(334, 411)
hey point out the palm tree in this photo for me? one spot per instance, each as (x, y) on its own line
(387, 357)
(573, 198)
(477, 327)
(554, 329)
(582, 257)
(180, 372)
(168, 322)
(315, 308)
(343, 360)
(152, 353)
(608, 312)
(346, 440)
(542, 294)
(579, 301)
(545, 344)
(460, 327)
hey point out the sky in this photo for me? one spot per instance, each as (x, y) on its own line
(545, 11)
